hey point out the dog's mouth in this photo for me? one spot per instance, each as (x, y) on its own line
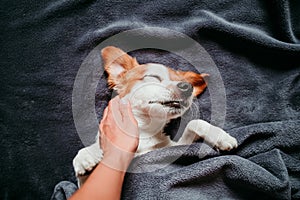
(173, 104)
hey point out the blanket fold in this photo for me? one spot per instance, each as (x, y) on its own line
(254, 46)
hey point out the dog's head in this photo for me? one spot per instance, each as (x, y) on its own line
(153, 89)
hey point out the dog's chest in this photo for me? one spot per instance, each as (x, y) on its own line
(149, 143)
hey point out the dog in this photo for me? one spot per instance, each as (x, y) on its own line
(157, 95)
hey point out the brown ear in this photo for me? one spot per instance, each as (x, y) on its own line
(196, 80)
(116, 63)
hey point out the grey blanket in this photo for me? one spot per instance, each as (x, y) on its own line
(255, 46)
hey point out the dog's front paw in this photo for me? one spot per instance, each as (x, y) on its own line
(225, 142)
(85, 161)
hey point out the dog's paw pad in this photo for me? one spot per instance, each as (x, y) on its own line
(85, 162)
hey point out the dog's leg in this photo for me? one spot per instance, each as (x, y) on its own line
(85, 161)
(212, 135)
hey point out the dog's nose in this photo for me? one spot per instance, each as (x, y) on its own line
(185, 88)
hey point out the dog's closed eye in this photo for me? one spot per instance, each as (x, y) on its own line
(154, 76)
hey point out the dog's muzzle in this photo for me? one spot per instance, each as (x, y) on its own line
(185, 89)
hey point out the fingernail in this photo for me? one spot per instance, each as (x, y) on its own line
(124, 101)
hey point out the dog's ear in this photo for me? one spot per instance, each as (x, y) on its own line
(196, 80)
(116, 63)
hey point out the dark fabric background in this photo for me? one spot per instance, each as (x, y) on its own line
(255, 45)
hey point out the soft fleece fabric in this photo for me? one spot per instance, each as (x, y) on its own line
(255, 45)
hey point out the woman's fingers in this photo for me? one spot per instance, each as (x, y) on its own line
(129, 122)
(118, 129)
(114, 107)
(119, 115)
(105, 113)
(126, 112)
(130, 115)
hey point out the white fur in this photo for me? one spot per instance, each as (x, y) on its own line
(152, 118)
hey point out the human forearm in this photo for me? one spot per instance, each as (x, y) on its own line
(119, 141)
(104, 183)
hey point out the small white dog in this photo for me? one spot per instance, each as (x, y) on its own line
(157, 94)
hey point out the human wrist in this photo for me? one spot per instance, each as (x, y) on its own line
(117, 160)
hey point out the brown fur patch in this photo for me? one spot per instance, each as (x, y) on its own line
(196, 80)
(129, 79)
(112, 55)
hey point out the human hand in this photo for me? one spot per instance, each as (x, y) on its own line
(119, 134)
